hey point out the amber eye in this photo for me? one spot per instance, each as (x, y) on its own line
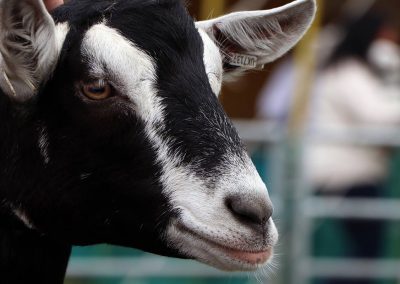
(98, 90)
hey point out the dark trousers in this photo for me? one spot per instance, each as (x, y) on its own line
(365, 236)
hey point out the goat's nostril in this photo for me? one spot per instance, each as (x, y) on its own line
(252, 210)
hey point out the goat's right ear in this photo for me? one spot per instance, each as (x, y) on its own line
(28, 47)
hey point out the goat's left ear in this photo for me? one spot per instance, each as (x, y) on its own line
(251, 39)
(28, 47)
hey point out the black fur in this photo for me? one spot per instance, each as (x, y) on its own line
(101, 184)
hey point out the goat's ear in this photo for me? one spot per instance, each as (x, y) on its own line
(28, 47)
(251, 39)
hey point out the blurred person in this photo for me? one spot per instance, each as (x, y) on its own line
(275, 99)
(274, 102)
(358, 87)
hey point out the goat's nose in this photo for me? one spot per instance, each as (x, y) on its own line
(254, 210)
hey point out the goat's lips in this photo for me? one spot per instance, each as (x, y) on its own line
(253, 258)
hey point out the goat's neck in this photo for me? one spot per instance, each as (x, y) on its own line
(28, 257)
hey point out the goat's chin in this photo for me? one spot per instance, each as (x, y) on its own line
(222, 256)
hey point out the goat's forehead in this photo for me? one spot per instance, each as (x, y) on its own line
(107, 50)
(130, 69)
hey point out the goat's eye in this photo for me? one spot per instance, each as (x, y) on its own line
(98, 90)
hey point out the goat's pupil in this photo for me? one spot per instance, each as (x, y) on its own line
(97, 90)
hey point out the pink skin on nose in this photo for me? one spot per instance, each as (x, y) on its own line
(250, 257)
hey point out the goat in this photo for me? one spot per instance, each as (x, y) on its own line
(111, 132)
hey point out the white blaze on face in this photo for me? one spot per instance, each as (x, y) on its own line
(203, 210)
(129, 69)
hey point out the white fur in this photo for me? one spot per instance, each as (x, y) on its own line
(23, 217)
(61, 31)
(43, 144)
(132, 71)
(85, 176)
(205, 213)
(213, 62)
(128, 68)
(19, 213)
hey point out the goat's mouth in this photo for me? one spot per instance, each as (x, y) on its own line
(224, 256)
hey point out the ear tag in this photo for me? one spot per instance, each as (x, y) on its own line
(244, 61)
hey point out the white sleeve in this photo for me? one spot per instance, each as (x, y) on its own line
(367, 101)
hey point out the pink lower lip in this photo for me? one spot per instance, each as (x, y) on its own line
(250, 257)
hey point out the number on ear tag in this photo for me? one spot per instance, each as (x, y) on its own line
(243, 60)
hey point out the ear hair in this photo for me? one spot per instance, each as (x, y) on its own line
(260, 36)
(249, 39)
(9, 84)
(27, 45)
(248, 34)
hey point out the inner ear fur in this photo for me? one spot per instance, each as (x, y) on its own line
(27, 45)
(266, 35)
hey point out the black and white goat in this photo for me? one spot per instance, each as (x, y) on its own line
(111, 132)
